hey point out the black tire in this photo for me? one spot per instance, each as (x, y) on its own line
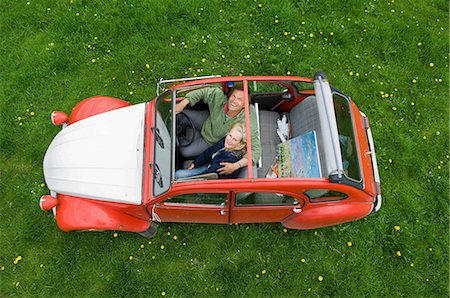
(151, 231)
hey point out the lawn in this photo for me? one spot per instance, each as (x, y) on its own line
(391, 57)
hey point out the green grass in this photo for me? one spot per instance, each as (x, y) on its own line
(55, 53)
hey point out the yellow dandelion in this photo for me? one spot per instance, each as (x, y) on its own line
(19, 118)
(432, 64)
(320, 278)
(276, 21)
(163, 293)
(168, 233)
(17, 283)
(162, 246)
(311, 35)
(303, 260)
(172, 44)
(430, 249)
(412, 103)
(414, 81)
(349, 243)
(412, 264)
(424, 137)
(350, 73)
(147, 66)
(285, 230)
(293, 38)
(142, 246)
(175, 237)
(264, 271)
(257, 275)
(398, 253)
(397, 228)
(130, 258)
(3, 268)
(394, 108)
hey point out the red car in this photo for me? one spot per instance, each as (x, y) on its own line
(112, 165)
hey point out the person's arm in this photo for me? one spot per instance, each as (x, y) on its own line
(226, 157)
(207, 95)
(229, 167)
(179, 107)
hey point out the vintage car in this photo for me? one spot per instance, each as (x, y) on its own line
(112, 165)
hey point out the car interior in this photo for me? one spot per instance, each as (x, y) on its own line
(273, 100)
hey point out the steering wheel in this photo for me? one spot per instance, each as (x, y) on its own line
(185, 130)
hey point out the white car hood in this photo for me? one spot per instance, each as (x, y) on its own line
(99, 157)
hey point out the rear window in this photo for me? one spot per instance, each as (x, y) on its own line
(324, 195)
(347, 139)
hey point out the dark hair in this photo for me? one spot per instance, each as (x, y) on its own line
(239, 85)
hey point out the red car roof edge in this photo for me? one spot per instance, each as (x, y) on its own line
(243, 78)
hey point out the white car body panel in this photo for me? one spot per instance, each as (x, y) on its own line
(100, 157)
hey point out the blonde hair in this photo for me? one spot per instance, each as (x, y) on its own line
(241, 129)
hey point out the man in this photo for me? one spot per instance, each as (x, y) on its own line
(223, 112)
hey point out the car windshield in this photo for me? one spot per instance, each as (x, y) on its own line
(347, 140)
(163, 144)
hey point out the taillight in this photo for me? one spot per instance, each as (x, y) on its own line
(48, 202)
(59, 118)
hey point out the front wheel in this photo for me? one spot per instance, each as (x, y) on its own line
(151, 231)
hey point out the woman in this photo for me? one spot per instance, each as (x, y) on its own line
(228, 149)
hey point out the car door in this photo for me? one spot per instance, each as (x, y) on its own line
(263, 206)
(203, 207)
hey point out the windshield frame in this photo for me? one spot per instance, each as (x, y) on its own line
(162, 176)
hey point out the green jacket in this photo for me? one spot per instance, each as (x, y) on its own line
(218, 124)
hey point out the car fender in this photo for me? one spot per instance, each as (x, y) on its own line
(95, 105)
(73, 213)
(317, 216)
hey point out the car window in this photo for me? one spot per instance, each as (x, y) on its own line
(303, 86)
(264, 199)
(269, 87)
(347, 140)
(324, 195)
(200, 198)
(162, 167)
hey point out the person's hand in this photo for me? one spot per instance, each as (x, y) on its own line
(179, 107)
(228, 168)
(191, 166)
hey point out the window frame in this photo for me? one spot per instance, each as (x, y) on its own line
(299, 199)
(321, 200)
(227, 195)
(354, 136)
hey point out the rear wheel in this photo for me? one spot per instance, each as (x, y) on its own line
(151, 231)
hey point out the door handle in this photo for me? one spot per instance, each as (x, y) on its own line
(222, 212)
(297, 210)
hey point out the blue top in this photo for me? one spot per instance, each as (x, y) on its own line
(216, 154)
